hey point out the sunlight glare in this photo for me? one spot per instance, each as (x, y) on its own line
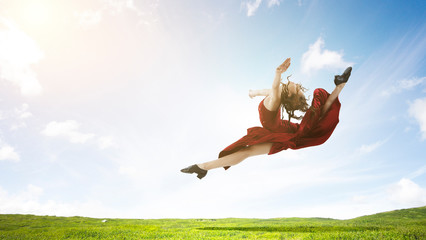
(36, 13)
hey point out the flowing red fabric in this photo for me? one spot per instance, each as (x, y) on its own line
(311, 131)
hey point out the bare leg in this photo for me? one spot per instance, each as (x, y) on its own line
(237, 157)
(333, 96)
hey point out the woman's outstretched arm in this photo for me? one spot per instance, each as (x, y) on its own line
(273, 101)
(260, 92)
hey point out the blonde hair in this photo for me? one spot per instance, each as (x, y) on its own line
(294, 102)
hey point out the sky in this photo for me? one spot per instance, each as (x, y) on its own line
(102, 102)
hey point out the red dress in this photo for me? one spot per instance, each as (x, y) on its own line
(284, 134)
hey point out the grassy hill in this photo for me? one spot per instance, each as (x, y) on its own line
(399, 224)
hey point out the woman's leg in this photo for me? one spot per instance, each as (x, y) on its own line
(333, 96)
(237, 157)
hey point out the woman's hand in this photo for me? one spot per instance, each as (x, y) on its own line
(251, 94)
(284, 66)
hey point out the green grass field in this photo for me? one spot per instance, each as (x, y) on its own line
(400, 224)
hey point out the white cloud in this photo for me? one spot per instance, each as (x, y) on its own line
(405, 84)
(18, 52)
(8, 153)
(272, 3)
(21, 114)
(418, 172)
(28, 202)
(17, 117)
(33, 192)
(88, 17)
(105, 142)
(417, 109)
(371, 147)
(117, 6)
(68, 129)
(130, 171)
(408, 193)
(403, 194)
(360, 199)
(317, 58)
(252, 7)
(410, 83)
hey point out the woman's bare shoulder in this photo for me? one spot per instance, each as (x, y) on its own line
(272, 102)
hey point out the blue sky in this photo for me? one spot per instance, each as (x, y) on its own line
(103, 102)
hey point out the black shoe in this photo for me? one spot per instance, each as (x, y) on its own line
(195, 169)
(339, 79)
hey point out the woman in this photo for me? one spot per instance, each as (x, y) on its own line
(276, 134)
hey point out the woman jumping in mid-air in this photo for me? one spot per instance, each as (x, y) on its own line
(276, 135)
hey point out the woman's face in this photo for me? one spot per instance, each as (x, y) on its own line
(294, 89)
